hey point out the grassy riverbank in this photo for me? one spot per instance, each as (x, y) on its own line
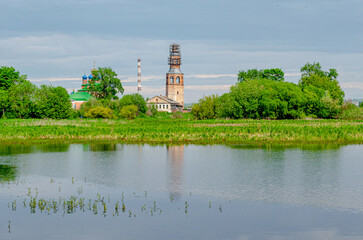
(155, 131)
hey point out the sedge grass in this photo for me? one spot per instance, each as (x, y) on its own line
(180, 131)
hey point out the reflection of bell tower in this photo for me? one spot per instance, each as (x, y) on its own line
(175, 160)
(175, 78)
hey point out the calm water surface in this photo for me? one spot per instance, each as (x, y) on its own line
(181, 192)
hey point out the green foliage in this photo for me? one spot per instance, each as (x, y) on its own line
(325, 83)
(206, 108)
(8, 77)
(52, 102)
(310, 69)
(262, 99)
(99, 112)
(129, 111)
(4, 102)
(351, 112)
(134, 99)
(331, 107)
(105, 84)
(152, 112)
(275, 74)
(21, 99)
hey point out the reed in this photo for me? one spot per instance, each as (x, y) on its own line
(178, 131)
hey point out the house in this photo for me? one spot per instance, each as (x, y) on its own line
(164, 104)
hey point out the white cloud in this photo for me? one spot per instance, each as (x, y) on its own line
(353, 85)
(208, 87)
(211, 75)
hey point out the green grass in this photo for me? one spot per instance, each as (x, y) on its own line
(175, 131)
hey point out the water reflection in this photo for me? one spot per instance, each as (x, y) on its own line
(6, 150)
(316, 147)
(102, 147)
(7, 173)
(175, 159)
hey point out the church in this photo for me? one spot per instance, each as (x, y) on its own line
(82, 95)
(174, 99)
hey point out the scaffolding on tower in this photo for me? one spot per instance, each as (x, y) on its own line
(139, 76)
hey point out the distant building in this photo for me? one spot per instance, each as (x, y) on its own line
(174, 99)
(164, 104)
(82, 95)
(79, 98)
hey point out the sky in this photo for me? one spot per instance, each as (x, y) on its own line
(56, 42)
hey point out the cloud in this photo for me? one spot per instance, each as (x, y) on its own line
(211, 75)
(353, 85)
(208, 87)
(54, 79)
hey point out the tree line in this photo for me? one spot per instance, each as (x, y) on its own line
(258, 94)
(19, 98)
(263, 94)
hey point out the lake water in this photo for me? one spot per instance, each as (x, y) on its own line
(115, 191)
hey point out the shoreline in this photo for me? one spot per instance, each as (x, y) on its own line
(181, 131)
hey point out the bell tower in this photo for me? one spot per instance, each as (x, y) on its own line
(175, 78)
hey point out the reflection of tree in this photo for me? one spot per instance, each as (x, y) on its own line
(15, 149)
(101, 147)
(7, 172)
(53, 147)
(26, 149)
(175, 160)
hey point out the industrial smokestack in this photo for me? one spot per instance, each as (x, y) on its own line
(138, 75)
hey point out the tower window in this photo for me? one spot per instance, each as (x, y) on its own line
(177, 79)
(171, 80)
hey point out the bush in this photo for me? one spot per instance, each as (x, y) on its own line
(206, 108)
(99, 112)
(351, 112)
(134, 99)
(129, 112)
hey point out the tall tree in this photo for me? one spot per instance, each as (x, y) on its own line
(275, 74)
(21, 98)
(310, 69)
(134, 99)
(52, 102)
(9, 76)
(105, 84)
(4, 102)
(313, 75)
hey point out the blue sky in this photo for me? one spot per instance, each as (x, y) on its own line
(55, 42)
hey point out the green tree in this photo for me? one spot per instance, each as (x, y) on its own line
(21, 98)
(4, 102)
(99, 112)
(205, 108)
(129, 111)
(275, 74)
(9, 76)
(53, 102)
(310, 69)
(262, 99)
(134, 99)
(327, 83)
(331, 107)
(105, 84)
